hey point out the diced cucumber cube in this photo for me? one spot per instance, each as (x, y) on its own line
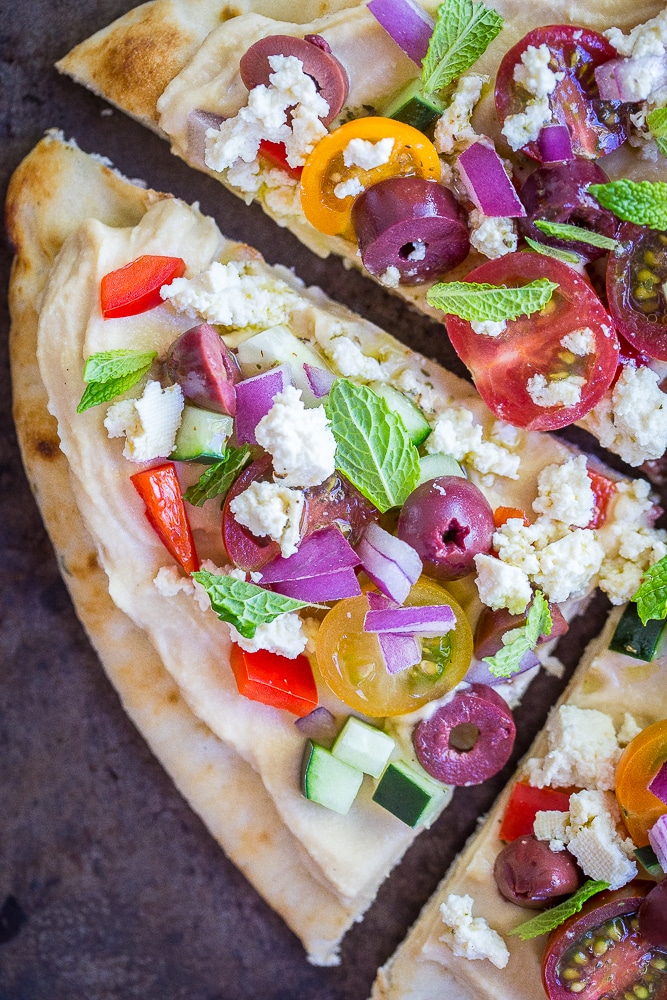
(647, 858)
(278, 346)
(202, 436)
(363, 746)
(644, 642)
(413, 107)
(410, 796)
(438, 464)
(328, 780)
(415, 422)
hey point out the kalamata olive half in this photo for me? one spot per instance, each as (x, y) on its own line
(412, 224)
(653, 915)
(328, 73)
(467, 740)
(448, 521)
(559, 193)
(492, 626)
(246, 550)
(205, 369)
(529, 874)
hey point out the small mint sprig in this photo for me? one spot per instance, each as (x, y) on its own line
(463, 30)
(651, 598)
(111, 373)
(564, 231)
(557, 915)
(217, 479)
(641, 202)
(657, 123)
(565, 256)
(476, 301)
(373, 447)
(519, 641)
(244, 605)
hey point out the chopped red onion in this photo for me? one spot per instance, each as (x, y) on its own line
(384, 573)
(378, 602)
(399, 651)
(407, 23)
(325, 587)
(630, 80)
(319, 379)
(320, 553)
(198, 123)
(479, 672)
(400, 552)
(254, 399)
(429, 620)
(658, 785)
(488, 185)
(555, 144)
(319, 725)
(657, 838)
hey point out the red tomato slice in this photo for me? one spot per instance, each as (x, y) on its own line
(524, 802)
(636, 273)
(603, 489)
(531, 345)
(161, 492)
(595, 126)
(275, 680)
(135, 288)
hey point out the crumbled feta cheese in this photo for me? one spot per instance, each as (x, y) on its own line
(632, 420)
(471, 937)
(169, 582)
(350, 361)
(273, 510)
(551, 825)
(569, 564)
(284, 635)
(455, 434)
(533, 72)
(298, 439)
(349, 188)
(418, 251)
(582, 750)
(648, 39)
(367, 154)
(557, 392)
(515, 543)
(629, 729)
(501, 585)
(391, 278)
(594, 841)
(565, 493)
(505, 434)
(278, 190)
(631, 544)
(526, 125)
(454, 127)
(489, 327)
(493, 236)
(149, 424)
(417, 385)
(580, 342)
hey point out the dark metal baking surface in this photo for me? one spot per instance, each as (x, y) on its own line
(110, 887)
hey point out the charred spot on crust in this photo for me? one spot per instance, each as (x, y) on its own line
(47, 448)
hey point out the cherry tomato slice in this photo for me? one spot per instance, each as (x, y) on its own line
(636, 272)
(595, 126)
(603, 490)
(351, 663)
(412, 155)
(640, 762)
(275, 680)
(165, 510)
(532, 345)
(135, 288)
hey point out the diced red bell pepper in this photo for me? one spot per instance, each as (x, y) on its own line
(603, 490)
(524, 802)
(503, 514)
(275, 680)
(135, 288)
(161, 492)
(275, 154)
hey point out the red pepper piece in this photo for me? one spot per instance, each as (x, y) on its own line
(275, 680)
(135, 288)
(603, 489)
(502, 514)
(275, 154)
(161, 492)
(524, 802)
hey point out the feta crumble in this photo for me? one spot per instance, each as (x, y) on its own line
(580, 342)
(569, 564)
(565, 493)
(391, 278)
(489, 327)
(557, 391)
(471, 937)
(632, 420)
(366, 154)
(454, 128)
(349, 360)
(299, 440)
(349, 188)
(526, 125)
(273, 510)
(455, 434)
(493, 236)
(284, 635)
(501, 585)
(149, 424)
(582, 751)
(533, 72)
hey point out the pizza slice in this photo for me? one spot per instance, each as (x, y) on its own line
(171, 365)
(406, 174)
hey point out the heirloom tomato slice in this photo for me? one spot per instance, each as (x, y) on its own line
(636, 276)
(532, 346)
(640, 762)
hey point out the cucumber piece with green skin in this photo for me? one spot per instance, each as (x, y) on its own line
(644, 642)
(413, 107)
(647, 858)
(438, 464)
(202, 436)
(416, 424)
(327, 780)
(412, 797)
(363, 746)
(279, 346)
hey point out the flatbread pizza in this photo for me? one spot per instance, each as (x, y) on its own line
(86, 239)
(485, 119)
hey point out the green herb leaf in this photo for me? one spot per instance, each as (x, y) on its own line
(566, 256)
(478, 301)
(641, 202)
(651, 598)
(111, 373)
(518, 641)
(657, 122)
(563, 231)
(462, 32)
(557, 915)
(373, 448)
(244, 605)
(218, 478)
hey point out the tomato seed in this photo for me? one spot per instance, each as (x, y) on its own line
(580, 957)
(658, 963)
(577, 987)
(640, 992)
(600, 946)
(570, 973)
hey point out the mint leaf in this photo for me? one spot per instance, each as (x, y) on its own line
(657, 123)
(478, 301)
(641, 202)
(244, 605)
(111, 373)
(218, 478)
(518, 641)
(557, 915)
(566, 256)
(462, 32)
(651, 598)
(563, 231)
(373, 448)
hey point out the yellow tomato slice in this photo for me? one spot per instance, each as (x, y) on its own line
(640, 762)
(412, 154)
(352, 665)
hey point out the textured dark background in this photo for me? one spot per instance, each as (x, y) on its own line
(110, 887)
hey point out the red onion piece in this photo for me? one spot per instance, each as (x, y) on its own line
(657, 838)
(630, 80)
(254, 399)
(384, 573)
(319, 725)
(395, 549)
(555, 144)
(407, 23)
(378, 602)
(319, 379)
(399, 651)
(198, 123)
(431, 620)
(658, 785)
(326, 587)
(320, 553)
(479, 672)
(489, 187)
